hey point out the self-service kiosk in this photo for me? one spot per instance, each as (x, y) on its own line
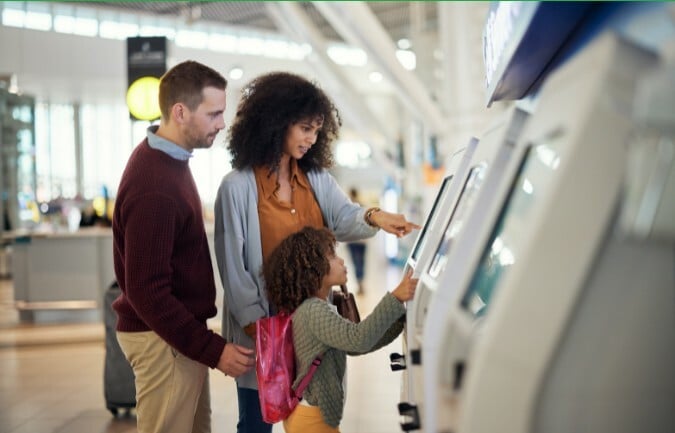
(457, 164)
(491, 153)
(532, 339)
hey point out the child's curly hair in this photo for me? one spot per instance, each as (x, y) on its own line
(295, 269)
(269, 105)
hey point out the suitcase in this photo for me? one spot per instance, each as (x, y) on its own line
(118, 377)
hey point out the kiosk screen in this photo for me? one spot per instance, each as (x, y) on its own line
(466, 197)
(425, 229)
(536, 168)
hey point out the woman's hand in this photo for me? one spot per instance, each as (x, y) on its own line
(405, 290)
(250, 330)
(393, 223)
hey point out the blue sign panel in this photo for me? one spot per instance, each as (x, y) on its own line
(521, 39)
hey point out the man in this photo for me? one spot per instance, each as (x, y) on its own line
(162, 261)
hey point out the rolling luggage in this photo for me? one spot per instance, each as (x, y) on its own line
(118, 377)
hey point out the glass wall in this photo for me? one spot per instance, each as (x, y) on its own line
(108, 137)
(106, 145)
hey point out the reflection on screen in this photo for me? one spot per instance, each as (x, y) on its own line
(466, 197)
(538, 163)
(421, 240)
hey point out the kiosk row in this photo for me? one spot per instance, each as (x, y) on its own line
(546, 300)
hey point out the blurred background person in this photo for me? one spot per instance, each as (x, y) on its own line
(357, 249)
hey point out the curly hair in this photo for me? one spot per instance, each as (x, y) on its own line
(269, 105)
(295, 269)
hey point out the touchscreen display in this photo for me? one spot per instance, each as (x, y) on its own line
(419, 246)
(467, 196)
(501, 251)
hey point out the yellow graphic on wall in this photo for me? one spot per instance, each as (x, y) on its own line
(142, 98)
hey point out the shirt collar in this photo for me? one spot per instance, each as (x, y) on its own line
(297, 176)
(268, 180)
(166, 146)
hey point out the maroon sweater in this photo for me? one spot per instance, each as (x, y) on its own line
(161, 255)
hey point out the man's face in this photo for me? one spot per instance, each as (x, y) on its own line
(206, 121)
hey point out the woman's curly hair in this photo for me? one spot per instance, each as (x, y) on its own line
(269, 105)
(295, 269)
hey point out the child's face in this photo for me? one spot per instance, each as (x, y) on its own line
(337, 274)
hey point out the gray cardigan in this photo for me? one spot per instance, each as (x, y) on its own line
(239, 252)
(318, 329)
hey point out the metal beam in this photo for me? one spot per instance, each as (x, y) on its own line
(290, 18)
(357, 24)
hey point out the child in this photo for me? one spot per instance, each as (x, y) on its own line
(299, 276)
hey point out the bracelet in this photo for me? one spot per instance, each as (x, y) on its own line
(369, 214)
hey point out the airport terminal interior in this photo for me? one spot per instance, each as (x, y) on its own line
(533, 142)
(52, 377)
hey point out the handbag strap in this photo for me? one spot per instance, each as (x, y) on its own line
(308, 377)
(343, 287)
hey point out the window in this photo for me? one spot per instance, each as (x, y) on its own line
(55, 151)
(106, 146)
(208, 168)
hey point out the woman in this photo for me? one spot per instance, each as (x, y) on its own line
(280, 146)
(299, 276)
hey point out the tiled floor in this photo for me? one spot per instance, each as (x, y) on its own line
(51, 375)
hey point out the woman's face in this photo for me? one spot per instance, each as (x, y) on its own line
(337, 274)
(301, 136)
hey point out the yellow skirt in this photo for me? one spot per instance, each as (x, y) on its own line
(305, 419)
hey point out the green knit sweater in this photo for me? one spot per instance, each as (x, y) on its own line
(318, 329)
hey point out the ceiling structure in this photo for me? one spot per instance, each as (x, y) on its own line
(395, 16)
(374, 27)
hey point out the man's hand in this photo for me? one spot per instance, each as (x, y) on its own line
(236, 360)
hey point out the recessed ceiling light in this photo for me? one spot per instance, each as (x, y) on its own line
(236, 73)
(404, 44)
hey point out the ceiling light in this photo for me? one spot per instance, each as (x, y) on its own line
(404, 44)
(407, 59)
(236, 73)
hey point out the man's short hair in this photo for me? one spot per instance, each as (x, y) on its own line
(184, 83)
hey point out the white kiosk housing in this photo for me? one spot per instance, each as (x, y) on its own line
(558, 311)
(429, 234)
(447, 194)
(491, 153)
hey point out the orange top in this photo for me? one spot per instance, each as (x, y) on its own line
(279, 219)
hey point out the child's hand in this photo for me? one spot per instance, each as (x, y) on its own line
(405, 291)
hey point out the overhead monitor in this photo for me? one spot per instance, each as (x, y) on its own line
(520, 40)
